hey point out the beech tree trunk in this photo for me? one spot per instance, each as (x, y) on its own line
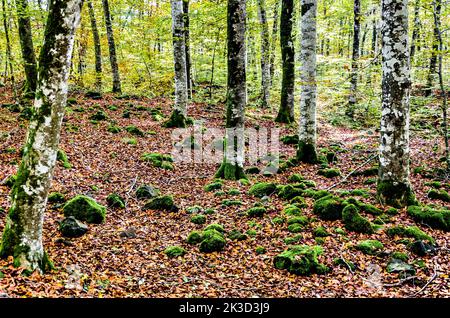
(232, 167)
(22, 236)
(179, 114)
(355, 57)
(274, 39)
(286, 112)
(416, 28)
(187, 45)
(112, 48)
(265, 54)
(393, 181)
(307, 129)
(27, 47)
(97, 47)
(434, 49)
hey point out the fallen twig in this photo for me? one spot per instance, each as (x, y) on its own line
(428, 283)
(353, 171)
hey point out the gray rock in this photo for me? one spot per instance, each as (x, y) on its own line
(147, 192)
(71, 227)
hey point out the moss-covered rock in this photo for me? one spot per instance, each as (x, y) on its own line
(114, 129)
(115, 201)
(216, 185)
(439, 195)
(328, 208)
(262, 189)
(237, 235)
(302, 220)
(195, 237)
(434, 184)
(85, 209)
(147, 191)
(213, 241)
(299, 202)
(292, 210)
(295, 227)
(278, 220)
(421, 248)
(174, 251)
(399, 255)
(409, 231)
(215, 226)
(296, 177)
(301, 260)
(71, 227)
(234, 192)
(198, 219)
(99, 115)
(293, 239)
(392, 211)
(395, 194)
(289, 191)
(438, 219)
(158, 160)
(260, 250)
(56, 197)
(329, 173)
(134, 131)
(252, 170)
(321, 231)
(164, 202)
(62, 158)
(370, 247)
(228, 202)
(290, 139)
(340, 261)
(256, 212)
(353, 221)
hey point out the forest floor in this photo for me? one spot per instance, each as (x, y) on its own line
(103, 263)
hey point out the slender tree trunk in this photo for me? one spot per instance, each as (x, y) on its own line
(22, 236)
(433, 58)
(437, 25)
(97, 47)
(286, 112)
(355, 57)
(179, 114)
(307, 129)
(394, 187)
(187, 44)
(274, 39)
(416, 28)
(265, 54)
(9, 62)
(112, 48)
(26, 44)
(232, 167)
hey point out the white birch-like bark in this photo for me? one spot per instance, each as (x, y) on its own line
(393, 184)
(307, 127)
(265, 53)
(179, 55)
(22, 236)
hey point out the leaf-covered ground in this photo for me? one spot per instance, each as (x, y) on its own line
(104, 263)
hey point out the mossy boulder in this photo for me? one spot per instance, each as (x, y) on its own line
(302, 220)
(198, 219)
(71, 227)
(213, 186)
(296, 177)
(409, 231)
(256, 211)
(299, 202)
(370, 247)
(295, 227)
(63, 159)
(213, 241)
(439, 195)
(215, 226)
(56, 197)
(146, 191)
(115, 201)
(260, 250)
(293, 239)
(290, 139)
(399, 255)
(86, 209)
(289, 191)
(164, 202)
(174, 251)
(321, 231)
(228, 202)
(237, 235)
(328, 208)
(194, 237)
(301, 260)
(99, 115)
(353, 221)
(134, 131)
(437, 219)
(292, 210)
(262, 189)
(329, 172)
(252, 170)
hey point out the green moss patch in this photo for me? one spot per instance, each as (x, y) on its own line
(134, 131)
(370, 247)
(174, 251)
(62, 158)
(85, 209)
(301, 260)
(439, 195)
(320, 231)
(329, 173)
(256, 212)
(158, 160)
(236, 235)
(292, 210)
(213, 186)
(328, 208)
(115, 201)
(56, 197)
(438, 219)
(165, 203)
(353, 221)
(409, 231)
(289, 191)
(262, 189)
(198, 219)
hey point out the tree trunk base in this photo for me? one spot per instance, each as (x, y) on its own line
(176, 120)
(395, 194)
(284, 117)
(306, 153)
(229, 171)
